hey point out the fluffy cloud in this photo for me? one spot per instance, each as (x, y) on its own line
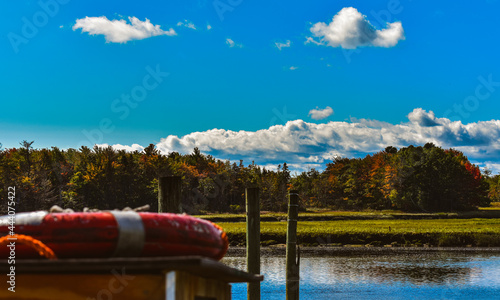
(422, 118)
(232, 44)
(134, 147)
(494, 167)
(319, 114)
(350, 29)
(283, 45)
(119, 31)
(305, 145)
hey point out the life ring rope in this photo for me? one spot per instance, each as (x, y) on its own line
(40, 247)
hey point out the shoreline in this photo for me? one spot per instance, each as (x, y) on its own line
(360, 250)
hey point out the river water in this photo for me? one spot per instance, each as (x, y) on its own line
(440, 275)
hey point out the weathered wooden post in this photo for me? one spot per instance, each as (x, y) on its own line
(169, 194)
(292, 260)
(253, 240)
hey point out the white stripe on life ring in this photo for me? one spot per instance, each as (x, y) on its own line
(131, 235)
(29, 218)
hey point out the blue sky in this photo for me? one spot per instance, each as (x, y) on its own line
(242, 67)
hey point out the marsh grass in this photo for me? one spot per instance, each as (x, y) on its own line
(490, 212)
(434, 232)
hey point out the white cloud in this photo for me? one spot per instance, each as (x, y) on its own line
(319, 114)
(303, 145)
(134, 147)
(283, 45)
(293, 68)
(232, 44)
(119, 31)
(311, 40)
(422, 118)
(350, 29)
(209, 26)
(493, 167)
(187, 24)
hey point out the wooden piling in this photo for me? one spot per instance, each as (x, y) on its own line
(292, 260)
(253, 240)
(169, 194)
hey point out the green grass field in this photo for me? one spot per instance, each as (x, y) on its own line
(324, 215)
(434, 232)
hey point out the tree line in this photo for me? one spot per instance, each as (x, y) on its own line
(426, 178)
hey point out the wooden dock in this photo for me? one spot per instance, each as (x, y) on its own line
(165, 278)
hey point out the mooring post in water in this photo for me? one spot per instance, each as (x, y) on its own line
(253, 240)
(292, 259)
(169, 194)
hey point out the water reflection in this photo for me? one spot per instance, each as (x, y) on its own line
(429, 276)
